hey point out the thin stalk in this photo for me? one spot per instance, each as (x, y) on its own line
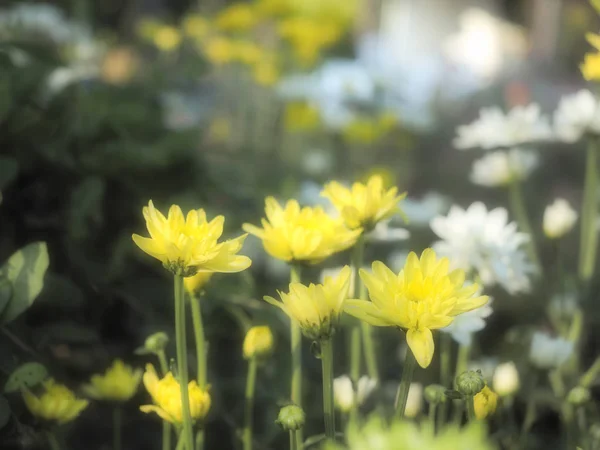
(445, 373)
(200, 340)
(180, 442)
(182, 365)
(407, 374)
(53, 441)
(589, 236)
(296, 342)
(462, 360)
(166, 426)
(433, 409)
(355, 351)
(518, 208)
(249, 413)
(327, 365)
(470, 408)
(370, 351)
(355, 333)
(294, 440)
(590, 375)
(117, 414)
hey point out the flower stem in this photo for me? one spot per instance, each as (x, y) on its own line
(445, 372)
(182, 366)
(590, 375)
(370, 351)
(250, 383)
(355, 333)
(407, 373)
(53, 441)
(518, 208)
(327, 365)
(296, 342)
(200, 355)
(589, 236)
(355, 351)
(166, 426)
(433, 409)
(117, 414)
(294, 440)
(462, 360)
(470, 408)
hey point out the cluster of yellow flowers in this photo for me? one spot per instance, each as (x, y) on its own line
(367, 130)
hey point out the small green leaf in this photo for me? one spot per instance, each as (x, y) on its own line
(25, 269)
(28, 375)
(9, 167)
(4, 412)
(313, 440)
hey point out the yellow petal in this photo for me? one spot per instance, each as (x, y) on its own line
(421, 344)
(366, 311)
(161, 412)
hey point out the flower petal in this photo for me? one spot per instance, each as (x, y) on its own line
(421, 344)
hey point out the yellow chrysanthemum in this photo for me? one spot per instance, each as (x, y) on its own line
(295, 234)
(195, 26)
(166, 394)
(301, 117)
(119, 383)
(308, 37)
(187, 246)
(237, 17)
(316, 307)
(57, 403)
(424, 296)
(590, 68)
(364, 205)
(197, 282)
(258, 342)
(167, 38)
(485, 403)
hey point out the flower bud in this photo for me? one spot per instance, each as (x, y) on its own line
(559, 219)
(414, 402)
(156, 342)
(258, 342)
(291, 418)
(435, 394)
(579, 395)
(485, 403)
(506, 379)
(343, 393)
(470, 382)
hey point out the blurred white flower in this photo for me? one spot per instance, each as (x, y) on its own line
(181, 111)
(61, 77)
(576, 115)
(414, 402)
(547, 352)
(484, 242)
(506, 379)
(494, 129)
(383, 232)
(344, 395)
(500, 167)
(421, 211)
(559, 218)
(317, 162)
(465, 325)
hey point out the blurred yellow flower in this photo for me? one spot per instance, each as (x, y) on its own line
(301, 117)
(424, 296)
(195, 26)
(590, 68)
(119, 383)
(364, 205)
(119, 66)
(273, 8)
(369, 130)
(339, 11)
(167, 38)
(219, 129)
(485, 403)
(247, 52)
(258, 342)
(197, 282)
(147, 28)
(186, 246)
(265, 73)
(219, 50)
(309, 37)
(295, 234)
(237, 17)
(57, 403)
(316, 308)
(166, 394)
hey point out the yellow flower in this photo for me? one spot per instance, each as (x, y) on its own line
(265, 73)
(301, 117)
(316, 308)
(119, 66)
(195, 26)
(258, 342)
(424, 296)
(166, 394)
(167, 38)
(273, 8)
(590, 68)
(147, 28)
(485, 403)
(364, 205)
(295, 234)
(119, 383)
(369, 130)
(219, 50)
(237, 17)
(186, 246)
(247, 52)
(308, 37)
(57, 403)
(197, 282)
(219, 129)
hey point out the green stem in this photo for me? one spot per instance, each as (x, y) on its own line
(294, 440)
(296, 342)
(520, 211)
(53, 441)
(200, 439)
(327, 365)
(445, 373)
(166, 426)
(355, 348)
(589, 236)
(462, 360)
(182, 366)
(117, 413)
(180, 442)
(433, 408)
(250, 383)
(407, 374)
(370, 351)
(471, 408)
(355, 334)
(590, 375)
(200, 341)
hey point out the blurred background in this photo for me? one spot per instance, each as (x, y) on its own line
(214, 104)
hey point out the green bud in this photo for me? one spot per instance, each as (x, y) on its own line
(156, 342)
(291, 418)
(579, 396)
(470, 382)
(435, 393)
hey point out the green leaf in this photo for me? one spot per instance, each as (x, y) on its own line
(5, 293)
(4, 412)
(9, 167)
(25, 269)
(28, 375)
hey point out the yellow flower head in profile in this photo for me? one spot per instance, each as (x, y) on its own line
(590, 68)
(364, 205)
(189, 245)
(237, 17)
(167, 38)
(301, 117)
(166, 394)
(485, 403)
(424, 296)
(258, 342)
(316, 307)
(57, 403)
(197, 282)
(295, 234)
(119, 383)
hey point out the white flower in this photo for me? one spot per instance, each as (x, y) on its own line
(421, 211)
(576, 115)
(464, 325)
(485, 242)
(414, 402)
(547, 352)
(344, 395)
(501, 167)
(494, 129)
(506, 379)
(559, 219)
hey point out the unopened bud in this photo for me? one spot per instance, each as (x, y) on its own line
(258, 342)
(156, 342)
(291, 418)
(579, 396)
(435, 394)
(470, 382)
